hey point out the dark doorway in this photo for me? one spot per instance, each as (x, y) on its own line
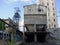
(41, 37)
(29, 37)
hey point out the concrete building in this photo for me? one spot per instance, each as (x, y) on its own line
(34, 18)
(52, 16)
(37, 15)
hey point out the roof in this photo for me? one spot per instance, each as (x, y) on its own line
(29, 5)
(35, 5)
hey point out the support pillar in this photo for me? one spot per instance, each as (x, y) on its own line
(35, 38)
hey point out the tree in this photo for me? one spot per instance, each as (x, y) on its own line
(2, 25)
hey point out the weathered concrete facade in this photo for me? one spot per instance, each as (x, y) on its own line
(33, 17)
(52, 15)
(47, 15)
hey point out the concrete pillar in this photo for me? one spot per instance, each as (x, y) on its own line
(35, 38)
(24, 34)
(3, 36)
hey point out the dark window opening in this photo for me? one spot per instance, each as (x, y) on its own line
(29, 38)
(53, 8)
(41, 37)
(29, 10)
(54, 19)
(39, 10)
(54, 14)
(47, 3)
(52, 4)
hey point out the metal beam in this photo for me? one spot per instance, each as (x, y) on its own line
(27, 28)
(9, 25)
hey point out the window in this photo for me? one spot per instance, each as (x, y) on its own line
(53, 14)
(52, 4)
(47, 3)
(54, 19)
(53, 8)
(39, 10)
(55, 26)
(29, 10)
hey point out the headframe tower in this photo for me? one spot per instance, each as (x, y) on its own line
(16, 17)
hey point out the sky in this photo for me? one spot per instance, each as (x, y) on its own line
(58, 11)
(7, 8)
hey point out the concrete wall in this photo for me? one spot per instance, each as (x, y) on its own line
(35, 19)
(50, 11)
(51, 7)
(33, 9)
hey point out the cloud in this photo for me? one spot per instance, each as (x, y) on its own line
(30, 1)
(37, 2)
(25, 1)
(21, 24)
(10, 1)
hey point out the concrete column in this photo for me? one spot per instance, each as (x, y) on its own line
(34, 27)
(12, 36)
(23, 34)
(35, 38)
(3, 36)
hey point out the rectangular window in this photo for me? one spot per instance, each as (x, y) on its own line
(47, 3)
(54, 20)
(52, 4)
(53, 8)
(29, 10)
(53, 14)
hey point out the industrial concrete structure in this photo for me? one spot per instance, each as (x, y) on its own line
(51, 16)
(33, 17)
(38, 18)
